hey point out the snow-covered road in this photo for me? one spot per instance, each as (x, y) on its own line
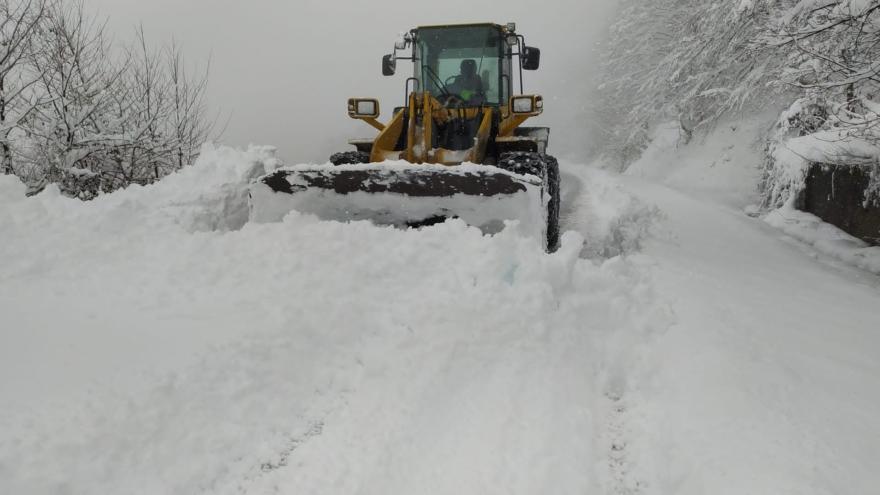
(767, 380)
(149, 349)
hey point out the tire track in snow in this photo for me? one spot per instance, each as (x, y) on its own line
(508, 408)
(624, 475)
(626, 367)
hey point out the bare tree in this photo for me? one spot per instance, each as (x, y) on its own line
(144, 106)
(166, 124)
(829, 51)
(19, 22)
(188, 121)
(76, 112)
(688, 61)
(79, 76)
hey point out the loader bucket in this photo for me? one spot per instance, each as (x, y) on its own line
(402, 194)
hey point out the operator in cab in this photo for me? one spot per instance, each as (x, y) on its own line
(468, 84)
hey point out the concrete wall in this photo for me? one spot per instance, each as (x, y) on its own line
(836, 194)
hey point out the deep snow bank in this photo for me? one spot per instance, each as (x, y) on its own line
(150, 347)
(209, 195)
(145, 354)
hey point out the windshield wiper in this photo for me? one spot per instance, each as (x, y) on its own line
(444, 90)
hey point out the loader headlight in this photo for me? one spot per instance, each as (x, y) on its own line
(523, 104)
(363, 108)
(528, 104)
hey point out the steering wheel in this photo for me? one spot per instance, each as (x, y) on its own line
(448, 79)
(451, 100)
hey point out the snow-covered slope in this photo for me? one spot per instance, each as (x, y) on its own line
(154, 343)
(722, 166)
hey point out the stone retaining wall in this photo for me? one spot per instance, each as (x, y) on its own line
(836, 194)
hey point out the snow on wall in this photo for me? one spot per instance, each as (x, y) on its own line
(789, 155)
(791, 159)
(826, 238)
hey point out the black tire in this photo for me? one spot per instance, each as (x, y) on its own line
(552, 181)
(547, 168)
(522, 162)
(349, 158)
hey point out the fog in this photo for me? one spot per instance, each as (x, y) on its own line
(281, 71)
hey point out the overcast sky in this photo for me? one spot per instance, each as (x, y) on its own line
(283, 69)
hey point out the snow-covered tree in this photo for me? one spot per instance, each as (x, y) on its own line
(691, 61)
(19, 23)
(160, 115)
(85, 114)
(829, 50)
(79, 76)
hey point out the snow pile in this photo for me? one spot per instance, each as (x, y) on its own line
(209, 195)
(315, 310)
(153, 346)
(826, 238)
(612, 221)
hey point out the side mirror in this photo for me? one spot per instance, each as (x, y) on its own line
(531, 58)
(389, 65)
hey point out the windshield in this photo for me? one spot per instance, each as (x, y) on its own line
(461, 61)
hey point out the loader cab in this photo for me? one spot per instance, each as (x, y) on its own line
(441, 55)
(465, 63)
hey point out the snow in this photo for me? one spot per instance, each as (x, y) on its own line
(849, 143)
(745, 6)
(612, 221)
(826, 238)
(766, 381)
(853, 7)
(722, 166)
(834, 147)
(155, 342)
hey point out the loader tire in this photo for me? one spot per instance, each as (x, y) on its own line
(522, 162)
(547, 168)
(349, 158)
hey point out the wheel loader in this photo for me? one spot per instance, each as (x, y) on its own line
(456, 149)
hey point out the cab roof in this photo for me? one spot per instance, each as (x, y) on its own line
(473, 24)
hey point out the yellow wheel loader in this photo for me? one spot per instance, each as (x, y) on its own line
(457, 149)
